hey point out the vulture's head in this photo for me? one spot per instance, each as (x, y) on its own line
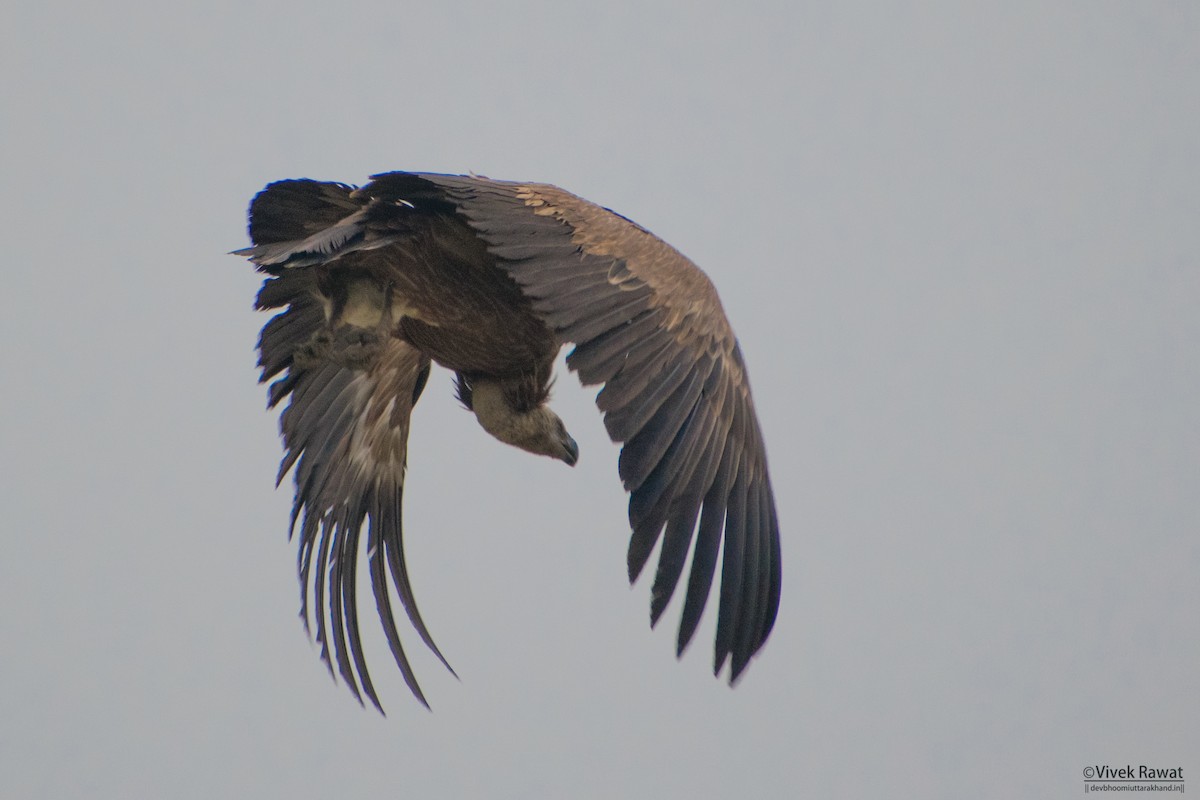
(539, 430)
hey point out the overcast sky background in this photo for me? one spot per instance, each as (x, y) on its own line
(958, 243)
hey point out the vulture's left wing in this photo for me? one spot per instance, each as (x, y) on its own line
(649, 326)
(346, 434)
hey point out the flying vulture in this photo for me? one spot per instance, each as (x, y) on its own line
(489, 279)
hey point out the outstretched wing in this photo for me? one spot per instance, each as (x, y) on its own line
(647, 324)
(346, 434)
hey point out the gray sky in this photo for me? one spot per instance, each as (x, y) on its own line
(959, 245)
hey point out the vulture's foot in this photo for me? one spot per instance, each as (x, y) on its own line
(347, 346)
(354, 347)
(313, 353)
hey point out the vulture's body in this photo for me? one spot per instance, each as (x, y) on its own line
(489, 279)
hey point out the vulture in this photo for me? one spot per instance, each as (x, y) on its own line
(489, 279)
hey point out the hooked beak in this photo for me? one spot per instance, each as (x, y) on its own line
(570, 451)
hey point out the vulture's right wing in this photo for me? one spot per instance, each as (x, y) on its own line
(649, 326)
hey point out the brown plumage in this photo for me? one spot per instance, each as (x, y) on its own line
(489, 278)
